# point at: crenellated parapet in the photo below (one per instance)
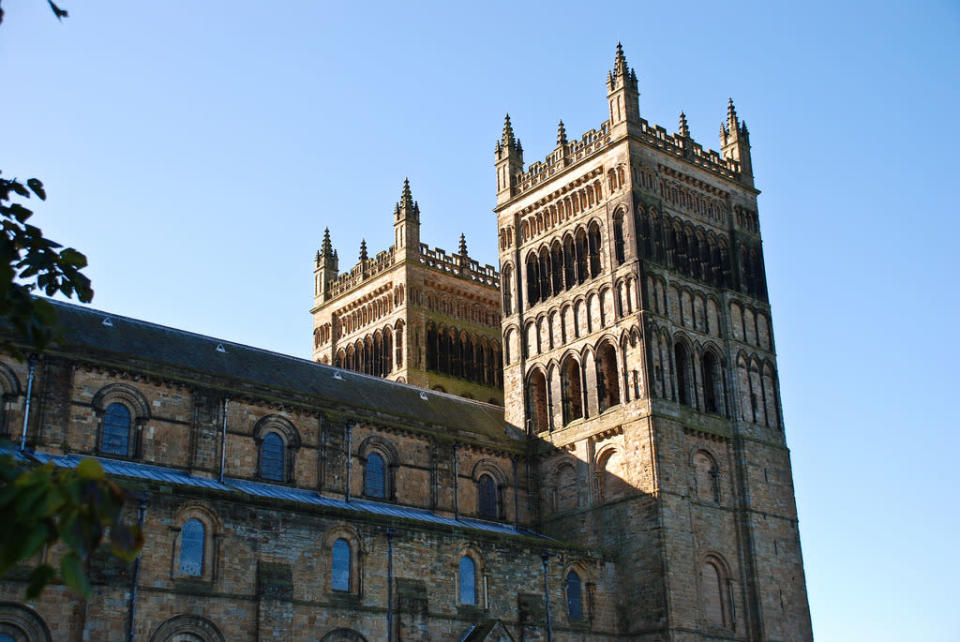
(459, 265)
(363, 271)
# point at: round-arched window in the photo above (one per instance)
(115, 439)
(271, 457)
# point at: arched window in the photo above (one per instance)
(272, 457)
(712, 389)
(468, 581)
(594, 250)
(608, 383)
(374, 480)
(571, 392)
(574, 596)
(569, 263)
(581, 256)
(192, 537)
(340, 568)
(487, 497)
(533, 279)
(682, 361)
(556, 267)
(507, 284)
(536, 403)
(708, 477)
(618, 237)
(715, 608)
(115, 437)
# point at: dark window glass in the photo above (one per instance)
(191, 547)
(271, 457)
(574, 600)
(374, 480)
(488, 497)
(5, 637)
(116, 430)
(340, 573)
(468, 581)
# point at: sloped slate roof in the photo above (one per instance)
(150, 472)
(138, 344)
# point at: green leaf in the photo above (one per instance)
(38, 580)
(71, 570)
(90, 469)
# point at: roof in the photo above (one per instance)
(241, 488)
(139, 345)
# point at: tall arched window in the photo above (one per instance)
(556, 267)
(340, 567)
(536, 403)
(487, 497)
(533, 279)
(594, 250)
(374, 480)
(507, 285)
(682, 361)
(581, 256)
(715, 609)
(115, 437)
(618, 238)
(272, 457)
(608, 383)
(574, 596)
(468, 581)
(712, 389)
(571, 392)
(191, 547)
(708, 477)
(569, 263)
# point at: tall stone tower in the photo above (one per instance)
(639, 357)
(411, 313)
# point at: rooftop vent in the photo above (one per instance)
(220, 348)
(107, 321)
(337, 375)
(423, 396)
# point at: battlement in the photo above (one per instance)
(364, 270)
(597, 140)
(459, 265)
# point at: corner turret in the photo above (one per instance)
(508, 156)
(735, 141)
(406, 225)
(326, 268)
(622, 95)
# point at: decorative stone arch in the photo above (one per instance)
(195, 625)
(716, 596)
(571, 386)
(288, 434)
(586, 575)
(565, 485)
(609, 462)
(607, 360)
(391, 459)
(488, 467)
(682, 355)
(480, 571)
(134, 401)
(213, 534)
(9, 394)
(343, 635)
(345, 531)
(706, 474)
(713, 379)
(22, 623)
(535, 394)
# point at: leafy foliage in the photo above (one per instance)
(44, 505)
(29, 263)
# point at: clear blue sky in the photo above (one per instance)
(196, 150)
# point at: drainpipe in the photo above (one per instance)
(390, 534)
(349, 430)
(223, 440)
(456, 483)
(136, 575)
(516, 495)
(546, 594)
(31, 373)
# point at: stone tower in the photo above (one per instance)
(639, 358)
(411, 313)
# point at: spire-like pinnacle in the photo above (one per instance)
(731, 116)
(318, 257)
(743, 128)
(326, 250)
(620, 62)
(363, 249)
(561, 135)
(507, 138)
(463, 245)
(406, 199)
(519, 146)
(684, 130)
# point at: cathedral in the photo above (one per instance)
(585, 443)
